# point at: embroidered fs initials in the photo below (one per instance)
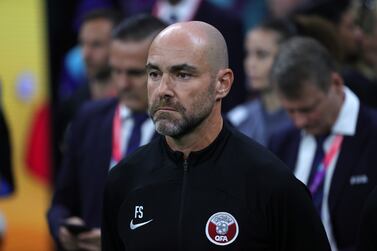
(139, 212)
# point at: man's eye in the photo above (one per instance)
(309, 109)
(116, 71)
(97, 44)
(153, 75)
(183, 75)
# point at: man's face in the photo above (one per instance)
(314, 110)
(181, 88)
(95, 36)
(127, 60)
(350, 33)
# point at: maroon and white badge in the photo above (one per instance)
(222, 228)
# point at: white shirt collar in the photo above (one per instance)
(124, 112)
(183, 11)
(346, 122)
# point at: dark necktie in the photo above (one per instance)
(318, 158)
(134, 140)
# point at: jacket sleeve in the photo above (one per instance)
(294, 223)
(6, 172)
(65, 199)
(109, 228)
(368, 226)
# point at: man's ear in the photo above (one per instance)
(337, 82)
(224, 81)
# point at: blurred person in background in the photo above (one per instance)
(171, 11)
(368, 22)
(349, 31)
(368, 61)
(94, 42)
(284, 8)
(332, 148)
(95, 39)
(262, 116)
(102, 133)
(103, 85)
(321, 30)
(344, 14)
(7, 185)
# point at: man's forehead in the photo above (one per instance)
(176, 48)
(178, 45)
(178, 39)
(171, 55)
(304, 98)
(298, 101)
(175, 55)
(172, 34)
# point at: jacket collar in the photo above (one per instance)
(199, 156)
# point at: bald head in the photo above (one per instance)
(197, 36)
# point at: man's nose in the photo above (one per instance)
(125, 81)
(300, 120)
(165, 87)
(85, 52)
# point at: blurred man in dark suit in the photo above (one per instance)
(332, 148)
(101, 135)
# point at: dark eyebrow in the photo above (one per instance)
(150, 66)
(184, 67)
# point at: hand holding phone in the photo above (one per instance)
(76, 229)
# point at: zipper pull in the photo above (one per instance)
(185, 165)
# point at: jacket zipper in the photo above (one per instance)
(183, 194)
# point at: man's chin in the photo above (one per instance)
(315, 131)
(166, 128)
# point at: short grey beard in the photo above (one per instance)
(179, 128)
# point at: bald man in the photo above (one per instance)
(203, 186)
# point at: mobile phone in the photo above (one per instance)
(76, 229)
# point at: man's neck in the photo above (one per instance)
(337, 109)
(199, 138)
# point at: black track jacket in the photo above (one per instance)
(233, 195)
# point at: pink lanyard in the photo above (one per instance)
(325, 163)
(116, 152)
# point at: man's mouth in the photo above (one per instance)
(164, 108)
